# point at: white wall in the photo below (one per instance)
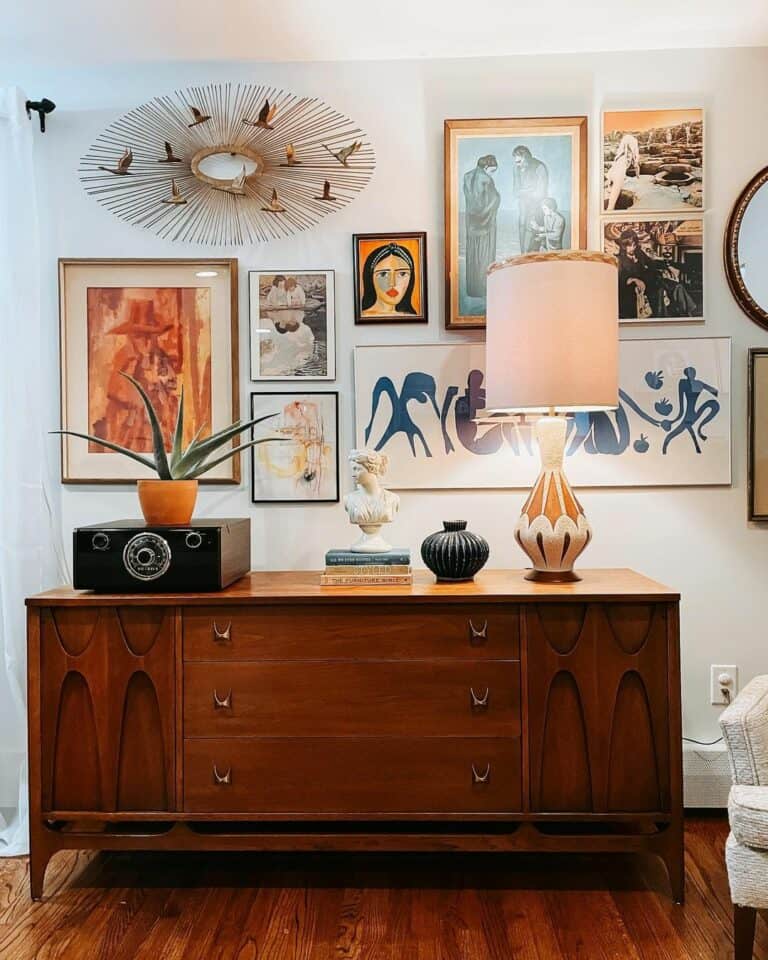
(697, 540)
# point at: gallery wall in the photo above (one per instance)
(695, 539)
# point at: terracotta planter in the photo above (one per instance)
(167, 502)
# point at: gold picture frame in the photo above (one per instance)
(168, 323)
(507, 169)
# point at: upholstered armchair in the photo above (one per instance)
(745, 729)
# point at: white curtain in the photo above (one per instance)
(31, 555)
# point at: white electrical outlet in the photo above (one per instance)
(723, 683)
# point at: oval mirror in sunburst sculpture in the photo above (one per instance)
(228, 164)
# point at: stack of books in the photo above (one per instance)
(345, 568)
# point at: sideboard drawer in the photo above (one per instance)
(395, 776)
(376, 631)
(432, 698)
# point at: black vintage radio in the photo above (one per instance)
(130, 557)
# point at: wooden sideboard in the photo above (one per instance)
(499, 715)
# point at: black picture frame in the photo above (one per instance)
(257, 395)
(752, 425)
(421, 237)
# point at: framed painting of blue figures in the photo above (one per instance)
(511, 187)
(420, 405)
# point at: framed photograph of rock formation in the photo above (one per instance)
(661, 268)
(169, 324)
(390, 275)
(511, 187)
(305, 467)
(653, 160)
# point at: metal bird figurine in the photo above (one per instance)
(169, 155)
(290, 157)
(274, 205)
(123, 163)
(176, 196)
(345, 153)
(266, 115)
(237, 185)
(326, 192)
(199, 117)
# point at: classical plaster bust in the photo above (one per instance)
(370, 505)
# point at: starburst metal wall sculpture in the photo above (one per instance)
(300, 160)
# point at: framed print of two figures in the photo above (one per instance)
(511, 187)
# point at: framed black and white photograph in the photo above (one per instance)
(661, 268)
(305, 467)
(292, 325)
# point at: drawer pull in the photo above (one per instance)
(222, 703)
(481, 777)
(222, 634)
(219, 778)
(478, 636)
(479, 703)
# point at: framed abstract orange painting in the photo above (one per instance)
(390, 277)
(169, 324)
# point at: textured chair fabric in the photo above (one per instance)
(745, 729)
(748, 814)
(747, 874)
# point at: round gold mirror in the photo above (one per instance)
(746, 249)
(226, 167)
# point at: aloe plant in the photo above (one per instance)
(183, 463)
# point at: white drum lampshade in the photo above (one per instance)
(552, 347)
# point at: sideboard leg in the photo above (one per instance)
(39, 856)
(672, 852)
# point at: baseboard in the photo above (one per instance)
(706, 777)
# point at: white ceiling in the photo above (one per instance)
(94, 32)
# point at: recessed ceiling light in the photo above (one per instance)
(207, 273)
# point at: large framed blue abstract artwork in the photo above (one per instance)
(419, 404)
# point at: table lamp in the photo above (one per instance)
(552, 347)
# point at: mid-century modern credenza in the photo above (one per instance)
(499, 715)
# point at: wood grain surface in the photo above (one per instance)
(234, 906)
(304, 587)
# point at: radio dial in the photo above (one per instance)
(147, 556)
(100, 541)
(194, 539)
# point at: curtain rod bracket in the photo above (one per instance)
(41, 107)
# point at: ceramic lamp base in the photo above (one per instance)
(552, 529)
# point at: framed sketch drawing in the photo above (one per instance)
(758, 434)
(653, 160)
(305, 468)
(292, 325)
(661, 268)
(420, 404)
(169, 324)
(511, 187)
(390, 274)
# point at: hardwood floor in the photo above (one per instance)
(383, 907)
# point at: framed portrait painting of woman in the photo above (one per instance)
(511, 187)
(390, 277)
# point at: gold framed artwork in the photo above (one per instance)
(170, 324)
(511, 187)
(757, 457)
(653, 161)
(390, 274)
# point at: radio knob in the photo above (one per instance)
(100, 541)
(194, 539)
(147, 556)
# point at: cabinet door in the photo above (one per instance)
(107, 708)
(598, 717)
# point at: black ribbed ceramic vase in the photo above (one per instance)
(453, 553)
